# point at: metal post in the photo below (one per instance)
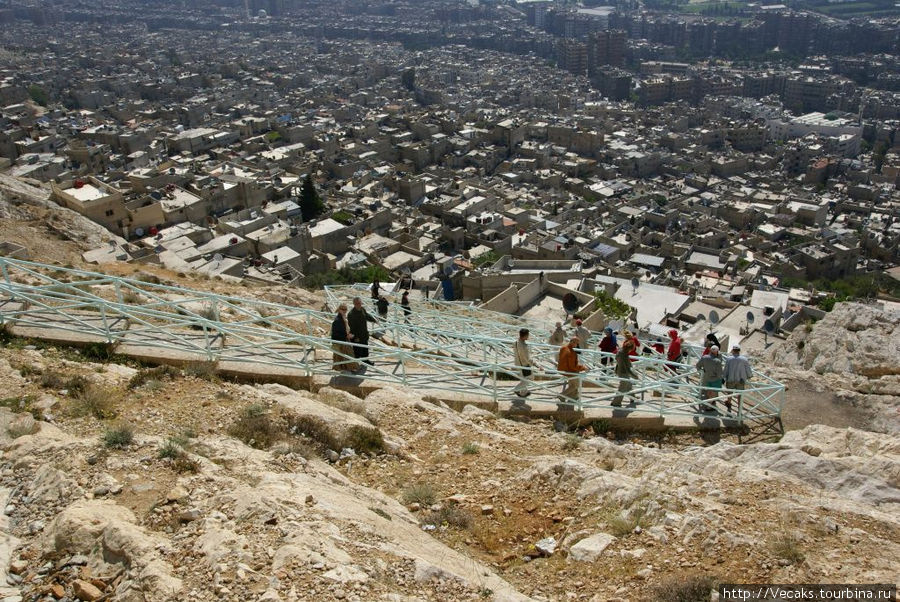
(105, 323)
(118, 285)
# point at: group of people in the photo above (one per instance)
(350, 330)
(735, 372)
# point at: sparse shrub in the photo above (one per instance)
(785, 544)
(450, 515)
(154, 385)
(118, 437)
(254, 427)
(380, 512)
(623, 523)
(97, 401)
(419, 493)
(157, 373)
(296, 447)
(223, 394)
(690, 587)
(97, 352)
(149, 278)
(470, 448)
(317, 431)
(171, 449)
(27, 370)
(364, 440)
(202, 370)
(801, 344)
(571, 442)
(600, 427)
(131, 298)
(186, 464)
(76, 385)
(51, 379)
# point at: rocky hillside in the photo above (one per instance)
(853, 354)
(128, 483)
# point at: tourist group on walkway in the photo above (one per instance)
(350, 344)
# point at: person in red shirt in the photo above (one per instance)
(608, 344)
(674, 352)
(629, 336)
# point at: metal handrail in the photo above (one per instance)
(444, 354)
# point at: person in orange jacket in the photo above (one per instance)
(568, 365)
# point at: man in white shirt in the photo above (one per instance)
(737, 373)
(523, 361)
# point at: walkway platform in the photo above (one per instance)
(449, 352)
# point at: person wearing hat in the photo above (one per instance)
(582, 334)
(608, 344)
(569, 366)
(737, 373)
(711, 373)
(625, 372)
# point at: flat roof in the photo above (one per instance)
(86, 193)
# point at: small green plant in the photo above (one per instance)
(202, 370)
(689, 587)
(51, 379)
(97, 352)
(571, 442)
(154, 386)
(97, 401)
(76, 385)
(118, 437)
(785, 544)
(450, 515)
(364, 440)
(601, 426)
(317, 431)
(623, 523)
(419, 493)
(254, 427)
(170, 450)
(186, 464)
(470, 448)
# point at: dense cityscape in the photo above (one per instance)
(448, 300)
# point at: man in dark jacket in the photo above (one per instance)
(357, 319)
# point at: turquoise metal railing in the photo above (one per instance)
(435, 349)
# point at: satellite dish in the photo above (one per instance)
(769, 326)
(218, 258)
(138, 232)
(158, 249)
(701, 318)
(112, 244)
(750, 317)
(714, 317)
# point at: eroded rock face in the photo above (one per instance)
(855, 338)
(107, 535)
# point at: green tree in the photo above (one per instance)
(311, 204)
(38, 94)
(408, 79)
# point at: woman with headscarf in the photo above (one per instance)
(340, 345)
(711, 340)
(608, 344)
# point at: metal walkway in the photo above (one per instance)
(441, 347)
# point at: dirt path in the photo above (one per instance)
(805, 405)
